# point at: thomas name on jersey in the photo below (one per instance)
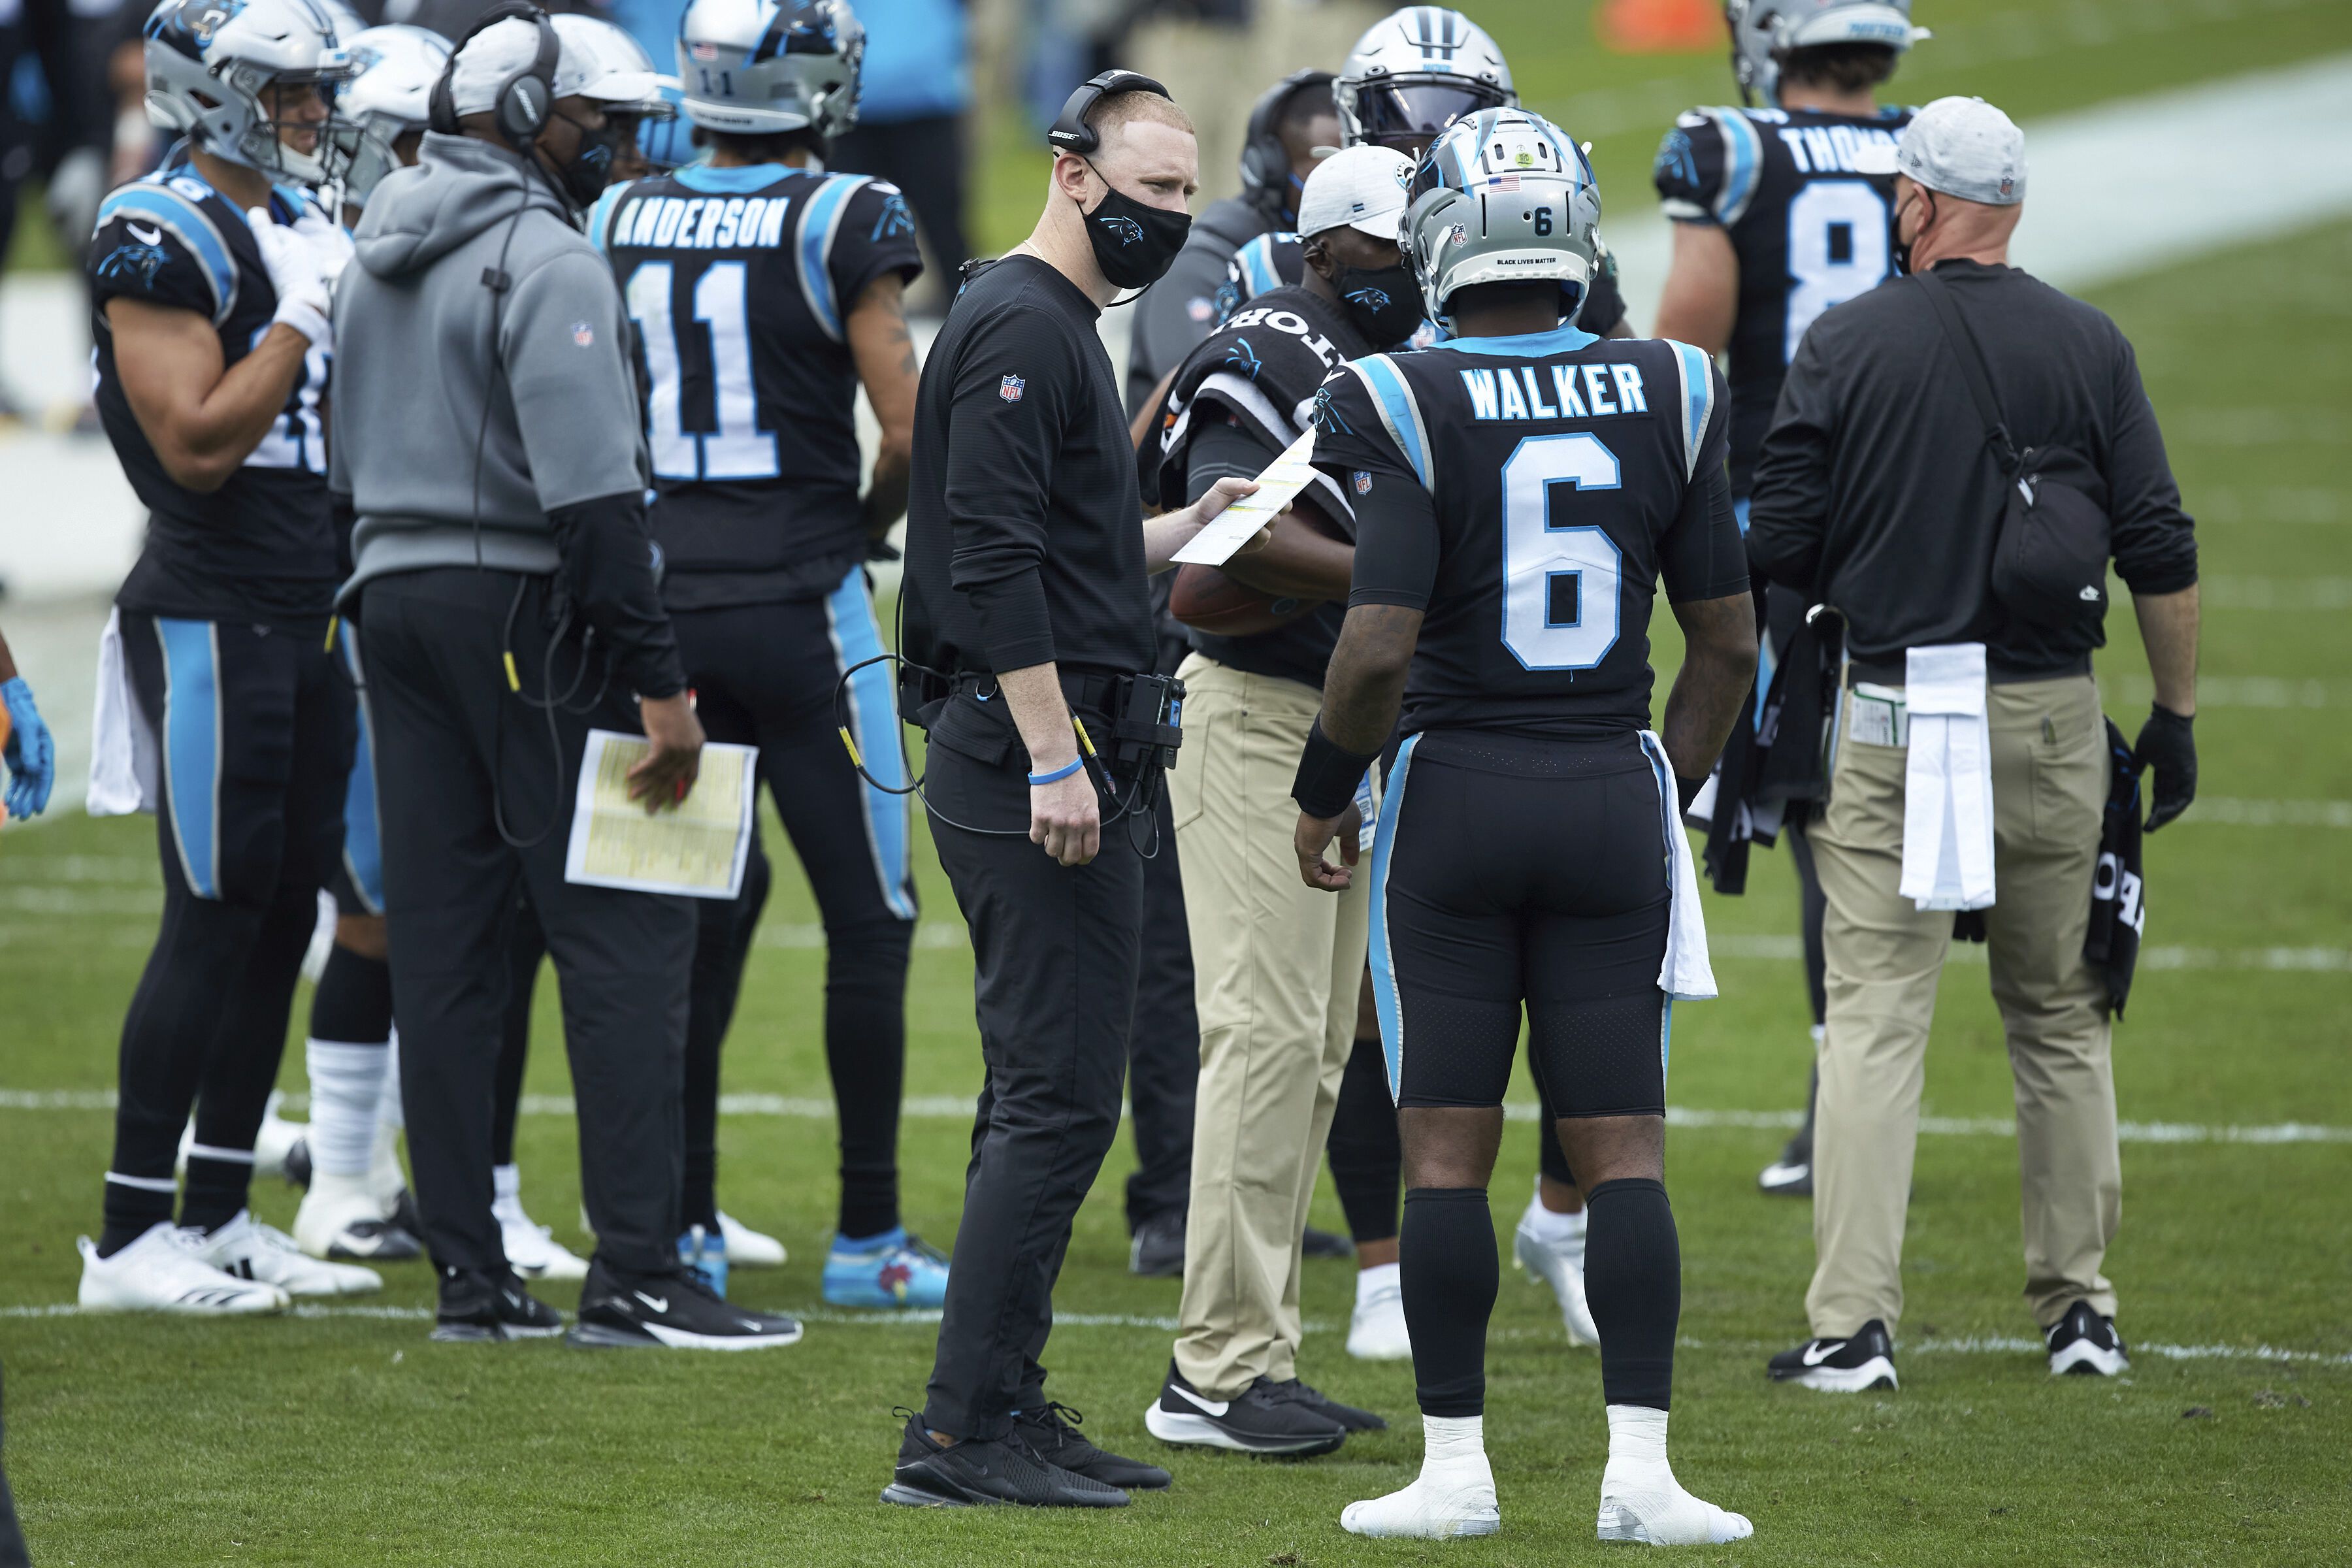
(1508, 395)
(1839, 148)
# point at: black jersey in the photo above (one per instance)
(1531, 493)
(741, 282)
(1277, 261)
(260, 549)
(1811, 229)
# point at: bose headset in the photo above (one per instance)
(524, 100)
(1266, 167)
(1070, 131)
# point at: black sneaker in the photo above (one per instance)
(1325, 1244)
(1850, 1366)
(1158, 1250)
(1347, 1415)
(979, 1470)
(2084, 1343)
(1263, 1418)
(477, 1307)
(674, 1309)
(1052, 1434)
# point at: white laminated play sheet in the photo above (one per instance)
(699, 848)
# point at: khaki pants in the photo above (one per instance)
(2049, 786)
(1275, 970)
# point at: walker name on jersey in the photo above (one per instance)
(1519, 394)
(1839, 148)
(702, 223)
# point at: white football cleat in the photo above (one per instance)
(161, 1272)
(342, 1217)
(531, 1249)
(1376, 1331)
(248, 1250)
(746, 1248)
(1553, 1251)
(1448, 1498)
(1640, 1498)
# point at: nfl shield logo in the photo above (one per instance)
(1363, 479)
(1011, 388)
(583, 335)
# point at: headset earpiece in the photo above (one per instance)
(1070, 131)
(1266, 167)
(524, 100)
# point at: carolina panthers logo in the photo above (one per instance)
(1674, 160)
(1326, 416)
(893, 221)
(1125, 230)
(1241, 357)
(1228, 299)
(140, 261)
(1369, 298)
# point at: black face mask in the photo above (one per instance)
(583, 179)
(1900, 251)
(1134, 245)
(1384, 302)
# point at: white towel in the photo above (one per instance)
(123, 746)
(1947, 780)
(1685, 975)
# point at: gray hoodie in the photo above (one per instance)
(415, 325)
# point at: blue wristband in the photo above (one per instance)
(1058, 774)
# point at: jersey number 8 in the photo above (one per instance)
(1560, 583)
(1837, 250)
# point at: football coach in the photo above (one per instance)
(1028, 613)
(1955, 457)
(488, 441)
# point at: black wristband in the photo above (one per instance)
(1327, 775)
(1688, 789)
(2159, 712)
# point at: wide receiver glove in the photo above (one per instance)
(31, 755)
(2167, 745)
(330, 245)
(292, 262)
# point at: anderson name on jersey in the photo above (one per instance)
(1529, 493)
(1807, 198)
(261, 548)
(741, 282)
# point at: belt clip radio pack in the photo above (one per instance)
(1147, 724)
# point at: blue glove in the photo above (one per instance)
(31, 755)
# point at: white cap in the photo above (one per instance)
(1363, 187)
(504, 48)
(1965, 147)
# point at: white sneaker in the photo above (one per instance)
(746, 1248)
(342, 1217)
(1448, 1498)
(161, 1272)
(531, 1249)
(251, 1250)
(1640, 1498)
(1558, 1261)
(1377, 1331)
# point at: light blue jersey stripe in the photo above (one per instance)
(1257, 262)
(739, 180)
(1745, 153)
(1385, 1001)
(186, 222)
(1398, 410)
(599, 218)
(874, 724)
(192, 747)
(820, 216)
(362, 829)
(1698, 401)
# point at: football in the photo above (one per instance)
(1210, 600)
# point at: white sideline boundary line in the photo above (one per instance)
(950, 1108)
(1973, 1344)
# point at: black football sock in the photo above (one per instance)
(1367, 1160)
(1450, 1277)
(1633, 1283)
(241, 1068)
(866, 1054)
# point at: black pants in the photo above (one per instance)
(1164, 1052)
(1055, 950)
(254, 729)
(456, 753)
(925, 158)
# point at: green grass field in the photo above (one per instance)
(348, 1439)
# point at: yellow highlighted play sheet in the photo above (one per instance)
(697, 850)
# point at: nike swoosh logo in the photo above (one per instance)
(659, 1303)
(1820, 1351)
(1211, 1407)
(145, 236)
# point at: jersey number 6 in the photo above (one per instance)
(1559, 582)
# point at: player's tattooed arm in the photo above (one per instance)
(884, 351)
(1718, 669)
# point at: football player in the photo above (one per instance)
(765, 293)
(210, 278)
(1781, 210)
(1521, 494)
(637, 121)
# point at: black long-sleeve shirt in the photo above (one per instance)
(1025, 530)
(1876, 493)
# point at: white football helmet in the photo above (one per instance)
(388, 98)
(209, 62)
(1763, 31)
(754, 68)
(1502, 197)
(1417, 72)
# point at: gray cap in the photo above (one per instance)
(1965, 147)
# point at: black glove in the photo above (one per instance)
(2169, 748)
